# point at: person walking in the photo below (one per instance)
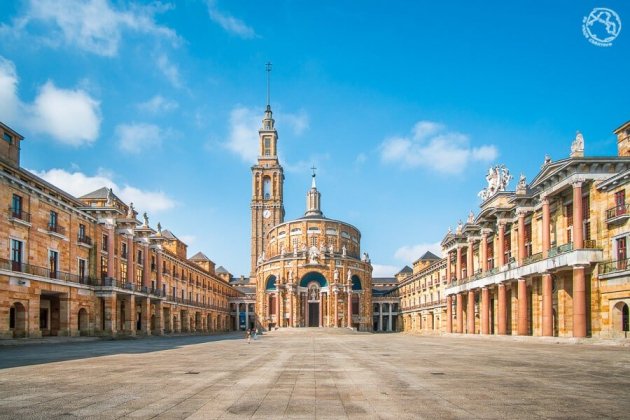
(249, 336)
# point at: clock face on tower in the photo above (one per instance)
(266, 214)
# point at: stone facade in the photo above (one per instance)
(547, 259)
(308, 272)
(87, 266)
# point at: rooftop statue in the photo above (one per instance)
(498, 178)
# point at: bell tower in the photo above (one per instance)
(267, 184)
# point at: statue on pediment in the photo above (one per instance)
(498, 178)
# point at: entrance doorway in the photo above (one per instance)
(313, 314)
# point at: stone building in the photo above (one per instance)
(309, 272)
(550, 258)
(87, 266)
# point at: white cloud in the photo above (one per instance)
(138, 137)
(9, 102)
(158, 104)
(298, 123)
(169, 70)
(433, 146)
(410, 253)
(361, 159)
(93, 25)
(243, 131)
(380, 270)
(78, 184)
(230, 24)
(70, 116)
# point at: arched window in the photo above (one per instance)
(266, 188)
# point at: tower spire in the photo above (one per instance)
(313, 198)
(313, 184)
(268, 70)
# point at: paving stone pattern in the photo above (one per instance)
(314, 373)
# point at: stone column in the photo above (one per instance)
(578, 218)
(502, 318)
(111, 307)
(380, 317)
(449, 314)
(146, 267)
(349, 306)
(458, 264)
(579, 301)
(483, 252)
(159, 319)
(238, 317)
(500, 256)
(146, 316)
(521, 236)
(522, 307)
(278, 305)
(130, 265)
(65, 315)
(389, 320)
(336, 308)
(470, 313)
(470, 265)
(485, 310)
(321, 309)
(546, 234)
(130, 322)
(547, 305)
(111, 245)
(246, 316)
(460, 313)
(448, 267)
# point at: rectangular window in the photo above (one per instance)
(622, 254)
(267, 146)
(103, 267)
(16, 206)
(507, 243)
(82, 269)
(7, 137)
(139, 259)
(528, 239)
(81, 230)
(17, 248)
(124, 250)
(123, 272)
(153, 265)
(53, 263)
(620, 199)
(139, 275)
(52, 220)
(104, 244)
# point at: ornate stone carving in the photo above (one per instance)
(313, 255)
(577, 147)
(110, 197)
(521, 187)
(343, 251)
(159, 228)
(498, 178)
(130, 214)
(146, 219)
(471, 217)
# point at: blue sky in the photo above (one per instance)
(402, 106)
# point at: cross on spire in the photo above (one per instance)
(268, 70)
(313, 185)
(313, 169)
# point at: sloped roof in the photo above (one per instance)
(221, 270)
(406, 269)
(199, 256)
(168, 235)
(101, 193)
(428, 256)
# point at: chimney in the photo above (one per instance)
(623, 139)
(10, 145)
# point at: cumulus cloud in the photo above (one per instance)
(410, 253)
(70, 116)
(158, 104)
(95, 26)
(432, 145)
(138, 137)
(243, 130)
(169, 70)
(380, 270)
(228, 23)
(77, 183)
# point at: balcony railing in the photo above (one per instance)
(84, 239)
(45, 272)
(19, 214)
(532, 258)
(618, 211)
(56, 228)
(615, 266)
(561, 249)
(590, 244)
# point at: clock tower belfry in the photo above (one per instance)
(267, 185)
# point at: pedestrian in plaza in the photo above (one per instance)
(249, 336)
(255, 334)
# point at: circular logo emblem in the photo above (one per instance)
(601, 26)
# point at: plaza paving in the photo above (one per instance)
(314, 373)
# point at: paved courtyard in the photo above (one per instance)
(313, 373)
